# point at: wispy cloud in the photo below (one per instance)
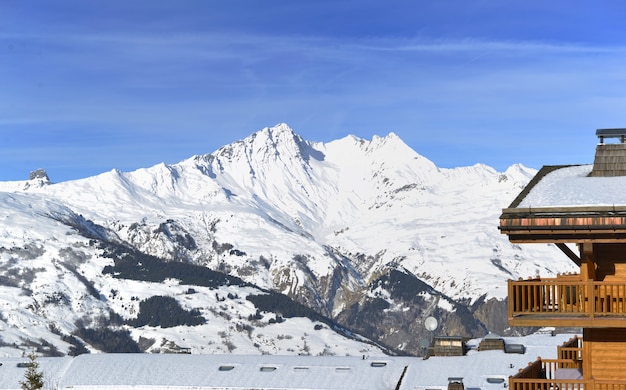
(183, 85)
(465, 45)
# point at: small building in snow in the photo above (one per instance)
(449, 346)
(490, 342)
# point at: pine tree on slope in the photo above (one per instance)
(33, 378)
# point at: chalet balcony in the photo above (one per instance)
(550, 374)
(567, 301)
(557, 374)
(563, 373)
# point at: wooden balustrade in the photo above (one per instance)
(551, 366)
(566, 296)
(565, 384)
(574, 342)
(550, 384)
(542, 375)
(534, 370)
(573, 354)
(572, 350)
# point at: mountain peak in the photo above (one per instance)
(39, 174)
(36, 179)
(392, 141)
(277, 144)
(389, 137)
(280, 128)
(279, 134)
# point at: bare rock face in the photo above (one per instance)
(37, 179)
(38, 174)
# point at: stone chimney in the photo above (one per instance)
(610, 158)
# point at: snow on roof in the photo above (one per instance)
(571, 187)
(174, 371)
(11, 374)
(232, 372)
(478, 366)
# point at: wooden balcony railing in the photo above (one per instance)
(565, 384)
(571, 350)
(550, 374)
(566, 297)
(542, 375)
(573, 354)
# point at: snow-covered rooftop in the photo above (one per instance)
(571, 186)
(172, 371)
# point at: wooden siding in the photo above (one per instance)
(610, 261)
(607, 351)
(487, 344)
(610, 160)
(449, 346)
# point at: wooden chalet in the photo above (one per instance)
(582, 210)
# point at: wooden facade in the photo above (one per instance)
(491, 343)
(593, 299)
(449, 346)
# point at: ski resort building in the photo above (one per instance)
(582, 210)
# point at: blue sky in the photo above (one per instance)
(89, 86)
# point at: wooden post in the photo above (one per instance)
(588, 261)
(591, 304)
(586, 353)
(512, 298)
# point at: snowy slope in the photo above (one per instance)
(325, 224)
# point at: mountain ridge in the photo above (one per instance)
(368, 233)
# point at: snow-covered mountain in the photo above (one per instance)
(367, 239)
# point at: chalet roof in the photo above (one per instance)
(564, 204)
(571, 186)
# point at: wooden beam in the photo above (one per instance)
(567, 321)
(588, 264)
(569, 253)
(555, 238)
(562, 210)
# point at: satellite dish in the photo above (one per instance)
(430, 323)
